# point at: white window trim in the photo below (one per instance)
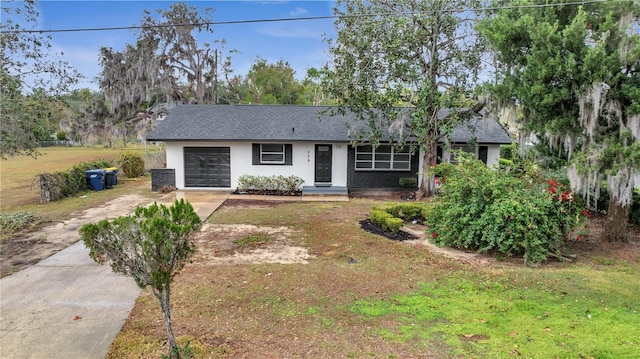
(392, 162)
(262, 153)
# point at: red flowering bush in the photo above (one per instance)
(488, 210)
(568, 209)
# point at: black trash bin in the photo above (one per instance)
(114, 178)
(108, 179)
(95, 179)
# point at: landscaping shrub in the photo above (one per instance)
(408, 182)
(130, 164)
(61, 184)
(385, 220)
(280, 184)
(407, 211)
(489, 210)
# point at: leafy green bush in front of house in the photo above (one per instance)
(408, 182)
(279, 184)
(407, 211)
(489, 210)
(385, 220)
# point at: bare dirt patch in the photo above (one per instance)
(223, 244)
(23, 251)
(593, 247)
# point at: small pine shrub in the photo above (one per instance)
(131, 164)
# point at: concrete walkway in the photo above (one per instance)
(68, 306)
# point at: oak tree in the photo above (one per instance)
(30, 73)
(397, 64)
(574, 71)
(169, 62)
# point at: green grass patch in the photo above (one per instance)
(579, 312)
(252, 240)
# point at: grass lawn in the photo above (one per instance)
(364, 296)
(19, 189)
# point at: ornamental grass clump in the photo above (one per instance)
(487, 210)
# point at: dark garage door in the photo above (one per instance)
(207, 167)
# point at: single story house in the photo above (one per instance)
(211, 146)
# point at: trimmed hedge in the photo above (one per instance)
(58, 185)
(273, 183)
(385, 220)
(408, 211)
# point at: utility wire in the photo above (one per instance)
(310, 18)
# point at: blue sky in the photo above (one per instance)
(298, 42)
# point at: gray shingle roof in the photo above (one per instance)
(280, 123)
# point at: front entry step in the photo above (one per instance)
(324, 191)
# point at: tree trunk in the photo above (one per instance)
(615, 225)
(164, 299)
(427, 187)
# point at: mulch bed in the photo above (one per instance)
(269, 193)
(366, 225)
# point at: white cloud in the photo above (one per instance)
(298, 11)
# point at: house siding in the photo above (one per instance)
(241, 154)
(377, 179)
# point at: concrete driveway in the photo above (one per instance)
(68, 306)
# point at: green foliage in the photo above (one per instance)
(270, 84)
(280, 183)
(151, 246)
(383, 65)
(62, 184)
(634, 210)
(574, 71)
(524, 167)
(11, 223)
(130, 164)
(28, 64)
(182, 352)
(253, 239)
(508, 152)
(170, 62)
(407, 211)
(408, 182)
(385, 220)
(489, 210)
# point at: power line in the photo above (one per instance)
(310, 18)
